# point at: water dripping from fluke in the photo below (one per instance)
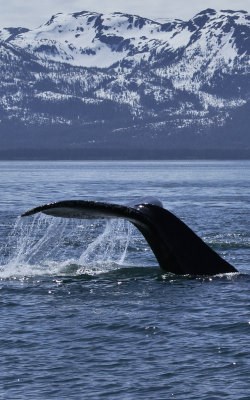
(42, 245)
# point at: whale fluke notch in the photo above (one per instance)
(176, 247)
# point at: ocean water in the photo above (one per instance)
(85, 311)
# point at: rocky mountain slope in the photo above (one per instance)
(94, 81)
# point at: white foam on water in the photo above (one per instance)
(43, 245)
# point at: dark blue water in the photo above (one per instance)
(86, 313)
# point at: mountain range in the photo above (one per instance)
(122, 85)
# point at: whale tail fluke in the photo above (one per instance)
(176, 247)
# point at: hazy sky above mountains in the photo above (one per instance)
(32, 13)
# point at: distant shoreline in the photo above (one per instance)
(122, 154)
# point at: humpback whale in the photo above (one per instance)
(176, 247)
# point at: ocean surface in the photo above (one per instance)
(85, 311)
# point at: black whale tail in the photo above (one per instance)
(176, 247)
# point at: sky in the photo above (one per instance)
(32, 13)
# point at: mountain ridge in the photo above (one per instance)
(119, 77)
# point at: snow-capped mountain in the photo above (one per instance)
(98, 40)
(128, 76)
(92, 39)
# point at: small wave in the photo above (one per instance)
(230, 241)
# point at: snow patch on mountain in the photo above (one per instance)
(7, 34)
